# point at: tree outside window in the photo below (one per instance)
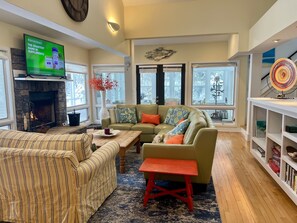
(213, 88)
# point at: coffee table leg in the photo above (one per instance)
(122, 163)
(138, 146)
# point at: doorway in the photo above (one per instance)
(161, 84)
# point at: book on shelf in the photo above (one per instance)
(261, 151)
(276, 151)
(291, 177)
(295, 186)
(275, 168)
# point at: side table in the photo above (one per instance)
(186, 168)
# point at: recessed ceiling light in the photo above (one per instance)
(276, 40)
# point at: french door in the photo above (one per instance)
(161, 84)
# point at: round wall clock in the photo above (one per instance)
(76, 9)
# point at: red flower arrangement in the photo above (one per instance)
(103, 84)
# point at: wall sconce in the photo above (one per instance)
(113, 26)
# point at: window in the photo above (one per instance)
(213, 89)
(6, 92)
(113, 96)
(76, 90)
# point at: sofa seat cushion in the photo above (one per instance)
(146, 128)
(79, 143)
(121, 126)
(163, 127)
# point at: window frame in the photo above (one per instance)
(97, 106)
(219, 107)
(84, 106)
(160, 86)
(9, 90)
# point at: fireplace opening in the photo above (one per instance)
(42, 111)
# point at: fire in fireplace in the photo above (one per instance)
(42, 111)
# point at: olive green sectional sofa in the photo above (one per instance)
(198, 143)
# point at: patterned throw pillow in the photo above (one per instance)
(181, 128)
(158, 139)
(175, 114)
(127, 115)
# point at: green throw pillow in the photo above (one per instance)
(181, 128)
(174, 115)
(126, 115)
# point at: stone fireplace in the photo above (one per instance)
(40, 105)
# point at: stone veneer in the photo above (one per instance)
(22, 89)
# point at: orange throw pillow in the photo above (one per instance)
(181, 120)
(177, 139)
(153, 119)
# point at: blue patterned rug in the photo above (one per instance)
(125, 205)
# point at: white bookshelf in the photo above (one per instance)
(277, 114)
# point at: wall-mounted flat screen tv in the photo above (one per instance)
(44, 58)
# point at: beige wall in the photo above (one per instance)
(94, 26)
(195, 18)
(98, 56)
(242, 91)
(12, 37)
(199, 52)
(280, 16)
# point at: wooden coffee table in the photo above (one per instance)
(126, 139)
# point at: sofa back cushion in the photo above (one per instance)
(147, 109)
(79, 143)
(197, 122)
(162, 111)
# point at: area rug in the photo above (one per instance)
(125, 204)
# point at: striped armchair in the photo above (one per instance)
(53, 178)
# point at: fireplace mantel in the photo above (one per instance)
(39, 79)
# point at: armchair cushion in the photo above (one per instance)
(79, 143)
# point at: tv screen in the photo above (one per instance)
(44, 58)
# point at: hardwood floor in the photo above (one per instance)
(245, 192)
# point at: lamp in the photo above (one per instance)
(114, 26)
